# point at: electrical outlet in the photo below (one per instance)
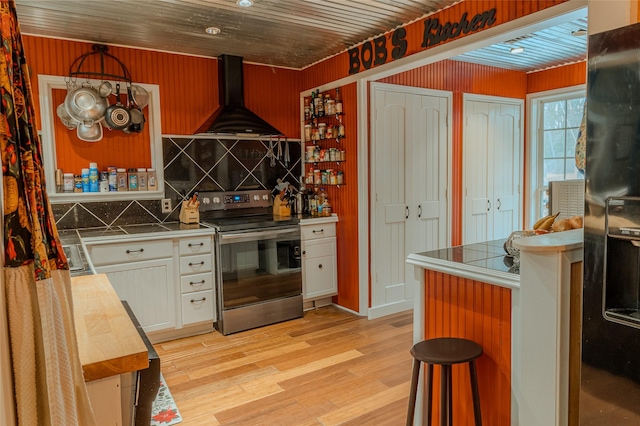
(166, 205)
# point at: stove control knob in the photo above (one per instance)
(206, 200)
(265, 197)
(216, 200)
(256, 198)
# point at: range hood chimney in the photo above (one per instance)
(232, 118)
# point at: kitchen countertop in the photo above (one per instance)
(108, 342)
(486, 262)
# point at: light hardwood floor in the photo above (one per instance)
(328, 368)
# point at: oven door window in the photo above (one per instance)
(260, 266)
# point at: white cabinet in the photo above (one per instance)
(168, 282)
(491, 168)
(410, 179)
(141, 273)
(319, 271)
(197, 295)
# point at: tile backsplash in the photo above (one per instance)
(194, 163)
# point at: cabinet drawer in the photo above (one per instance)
(197, 307)
(196, 282)
(310, 232)
(326, 247)
(196, 264)
(195, 245)
(105, 254)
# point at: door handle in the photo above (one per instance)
(406, 216)
(488, 205)
(499, 204)
(420, 211)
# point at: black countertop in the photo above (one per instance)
(489, 255)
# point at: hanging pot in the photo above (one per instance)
(136, 123)
(85, 103)
(116, 116)
(68, 121)
(90, 132)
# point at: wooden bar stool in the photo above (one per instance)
(444, 351)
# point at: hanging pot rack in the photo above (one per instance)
(75, 70)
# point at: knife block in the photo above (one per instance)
(280, 208)
(189, 214)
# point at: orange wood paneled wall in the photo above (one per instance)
(188, 95)
(459, 78)
(458, 307)
(556, 78)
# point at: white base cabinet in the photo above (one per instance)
(319, 270)
(147, 287)
(167, 282)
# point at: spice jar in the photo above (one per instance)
(307, 132)
(68, 182)
(142, 179)
(152, 180)
(133, 179)
(77, 183)
(322, 130)
(121, 179)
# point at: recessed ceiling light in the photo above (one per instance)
(579, 33)
(516, 50)
(212, 30)
(244, 3)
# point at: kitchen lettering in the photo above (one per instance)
(435, 33)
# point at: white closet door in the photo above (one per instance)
(410, 168)
(506, 170)
(390, 204)
(477, 191)
(491, 168)
(427, 167)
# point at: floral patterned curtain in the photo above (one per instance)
(48, 383)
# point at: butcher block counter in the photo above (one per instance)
(108, 341)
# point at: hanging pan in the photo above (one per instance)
(117, 116)
(136, 122)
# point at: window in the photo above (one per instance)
(553, 142)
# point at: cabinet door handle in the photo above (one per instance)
(304, 252)
(488, 205)
(499, 204)
(196, 264)
(198, 300)
(195, 245)
(320, 266)
(135, 251)
(406, 216)
(420, 211)
(198, 283)
(319, 232)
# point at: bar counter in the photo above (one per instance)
(476, 292)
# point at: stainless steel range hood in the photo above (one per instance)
(232, 118)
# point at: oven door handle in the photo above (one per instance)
(258, 235)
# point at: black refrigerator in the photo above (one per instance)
(610, 373)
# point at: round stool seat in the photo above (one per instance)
(446, 351)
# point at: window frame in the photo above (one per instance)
(535, 143)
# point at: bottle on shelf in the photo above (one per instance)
(338, 101)
(313, 112)
(307, 109)
(326, 207)
(93, 177)
(85, 179)
(319, 104)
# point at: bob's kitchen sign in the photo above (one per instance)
(375, 52)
